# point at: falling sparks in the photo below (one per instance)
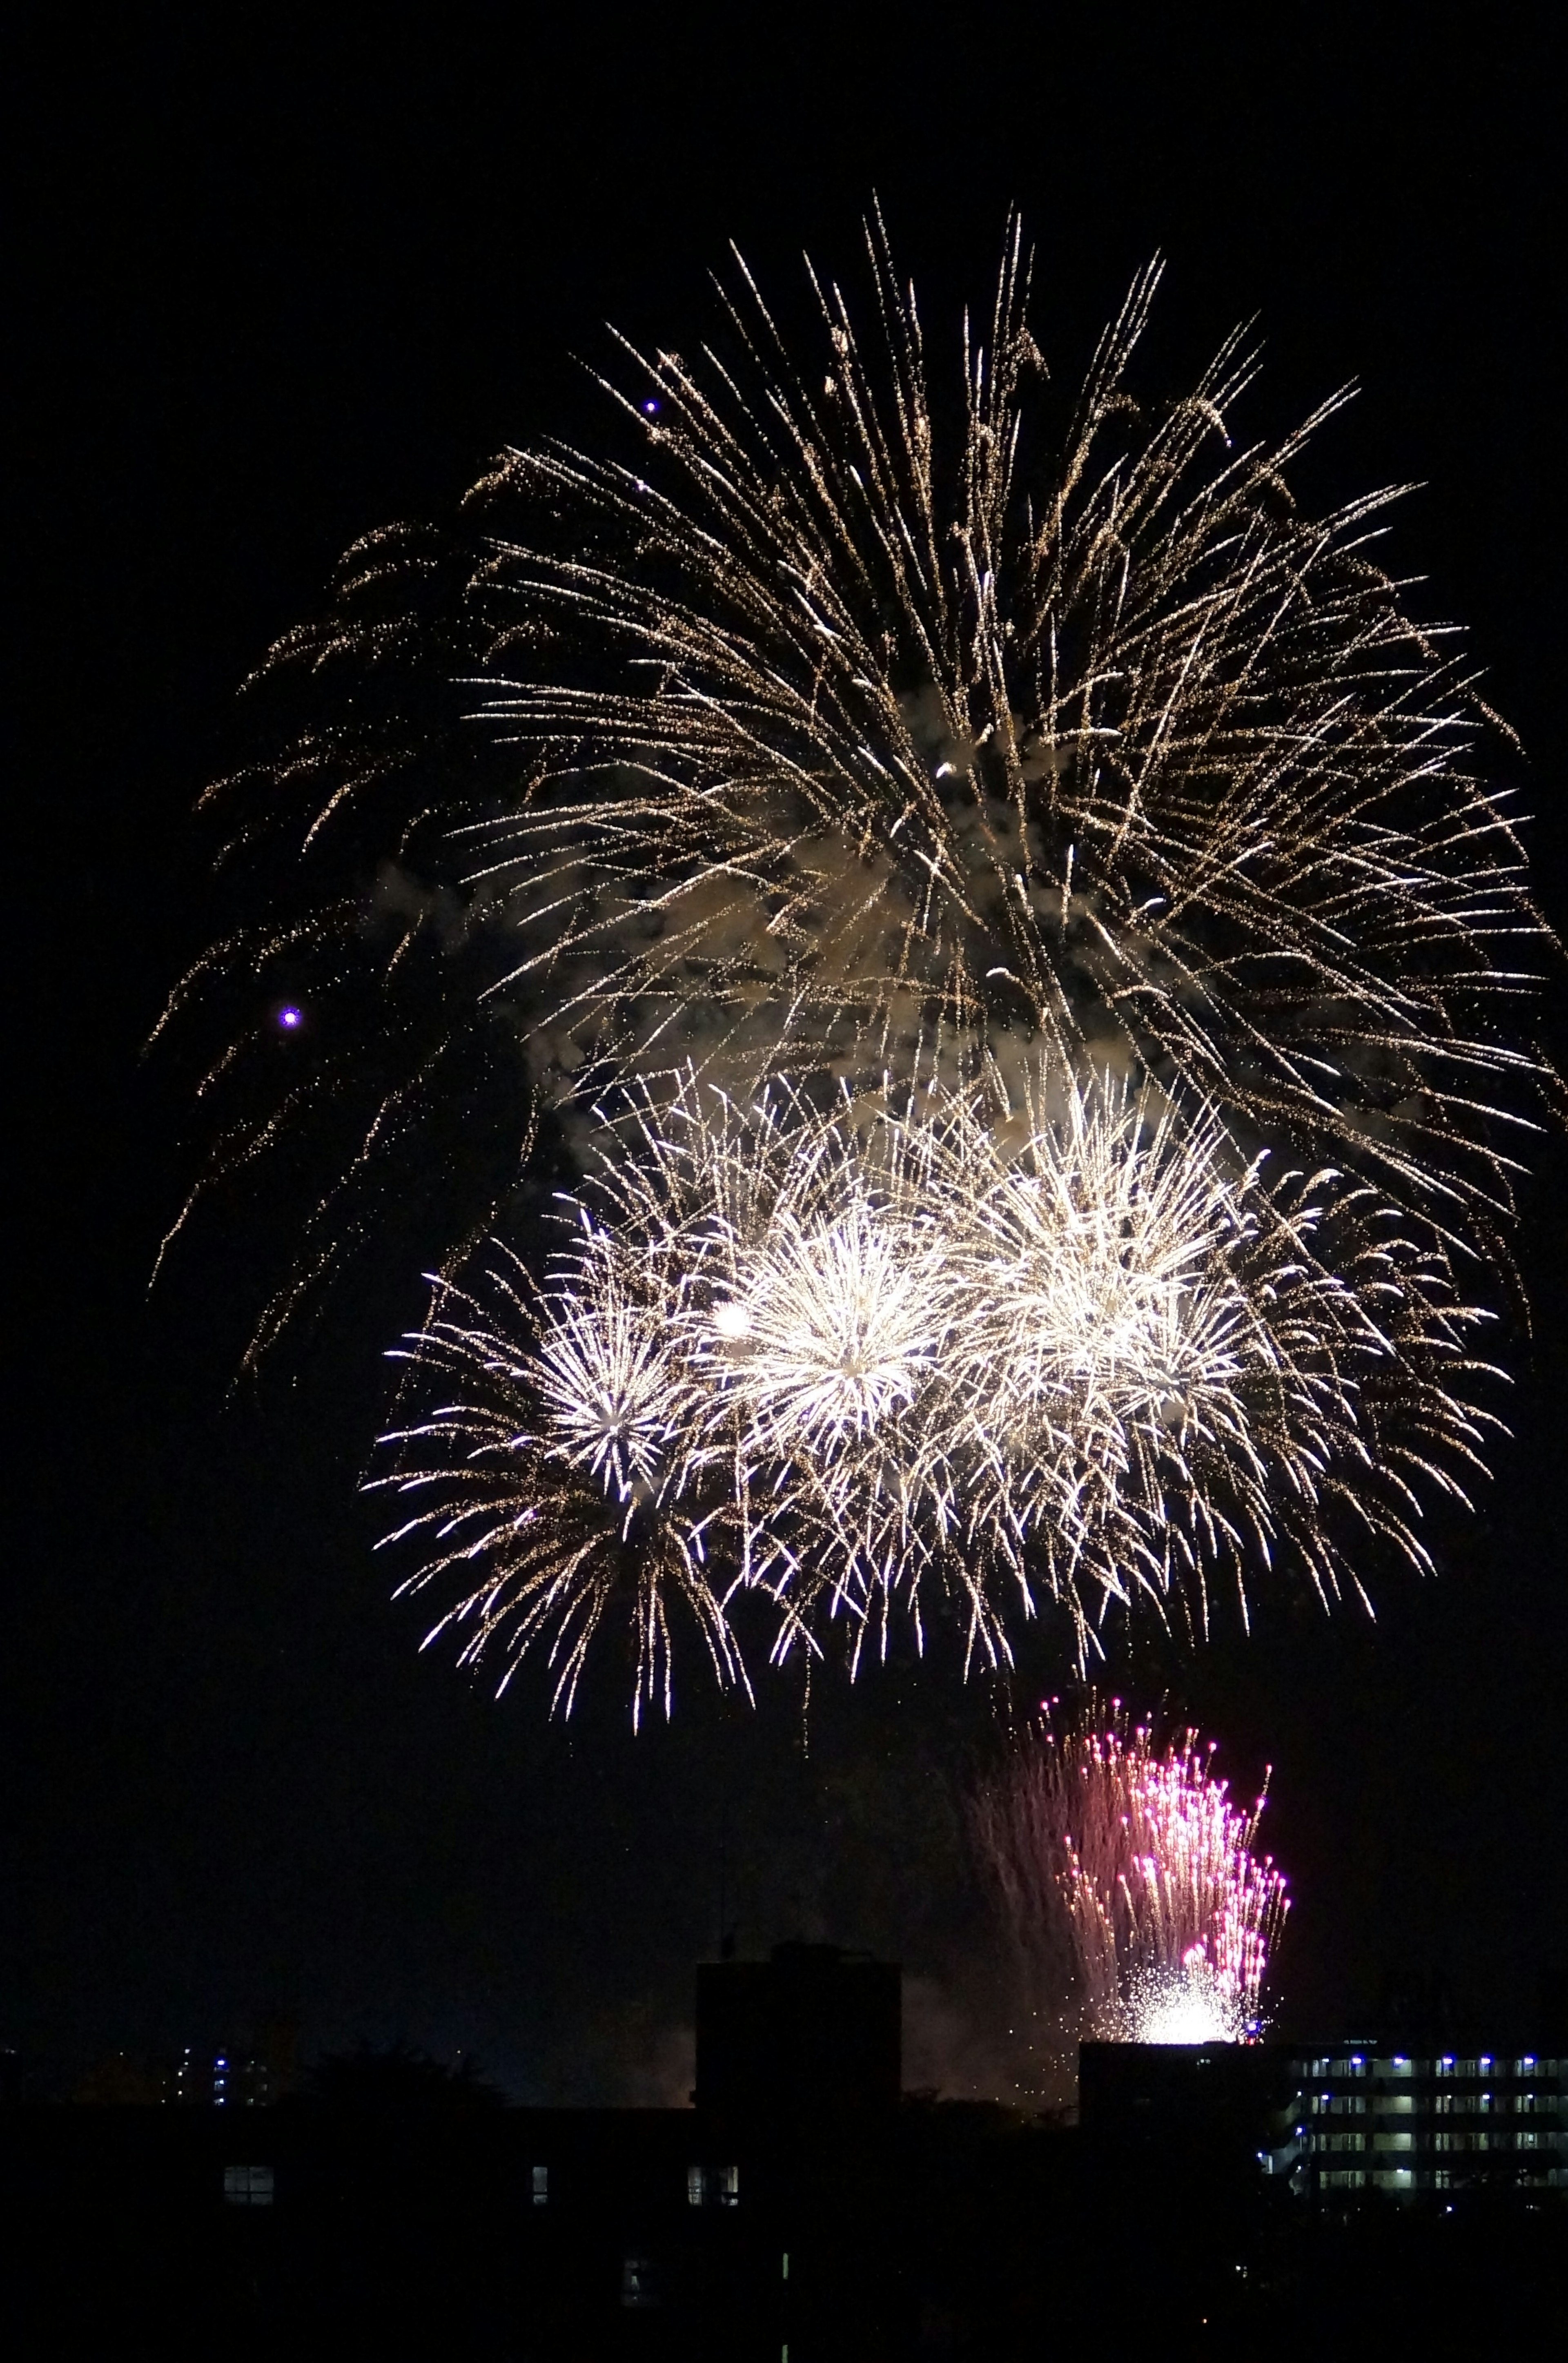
(1137, 1902)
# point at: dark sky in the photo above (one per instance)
(281, 284)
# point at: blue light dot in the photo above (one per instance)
(649, 407)
(290, 1018)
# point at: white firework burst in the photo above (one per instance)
(550, 1493)
(891, 1356)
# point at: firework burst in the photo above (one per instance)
(1073, 820)
(833, 723)
(856, 1361)
(549, 1491)
(1137, 1902)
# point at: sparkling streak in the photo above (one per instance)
(1074, 821)
(826, 725)
(1137, 1902)
(886, 1356)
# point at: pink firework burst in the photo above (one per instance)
(1138, 1906)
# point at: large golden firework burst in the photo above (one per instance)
(1035, 774)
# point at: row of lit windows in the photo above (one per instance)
(1437, 2104)
(706, 2186)
(1355, 2177)
(1400, 2177)
(1441, 2069)
(1485, 2137)
(1490, 2137)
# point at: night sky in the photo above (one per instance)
(283, 283)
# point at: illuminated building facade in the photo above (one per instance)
(226, 2080)
(1373, 2119)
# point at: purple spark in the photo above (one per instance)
(290, 1018)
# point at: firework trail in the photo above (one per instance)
(1138, 1906)
(911, 1351)
(1073, 821)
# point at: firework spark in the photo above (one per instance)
(1074, 821)
(550, 1487)
(833, 725)
(894, 1352)
(1136, 1900)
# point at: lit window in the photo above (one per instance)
(713, 2186)
(248, 2186)
(638, 2281)
(540, 2186)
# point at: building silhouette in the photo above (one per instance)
(1213, 2200)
